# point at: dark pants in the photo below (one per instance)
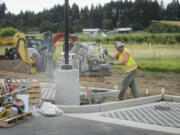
(129, 81)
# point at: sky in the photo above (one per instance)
(15, 6)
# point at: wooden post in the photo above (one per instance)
(154, 58)
(87, 96)
(150, 49)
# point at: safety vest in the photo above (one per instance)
(130, 65)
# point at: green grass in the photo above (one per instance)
(164, 27)
(175, 23)
(2, 50)
(167, 65)
(137, 37)
(59, 49)
(7, 32)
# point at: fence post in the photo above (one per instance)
(154, 58)
(150, 49)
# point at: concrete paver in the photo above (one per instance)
(146, 117)
(162, 113)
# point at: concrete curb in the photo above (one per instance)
(113, 93)
(171, 98)
(82, 88)
(109, 106)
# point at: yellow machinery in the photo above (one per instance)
(18, 42)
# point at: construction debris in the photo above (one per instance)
(14, 107)
(48, 109)
(14, 120)
(34, 92)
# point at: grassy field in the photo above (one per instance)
(137, 37)
(175, 23)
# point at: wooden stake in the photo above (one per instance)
(87, 95)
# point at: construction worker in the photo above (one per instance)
(128, 65)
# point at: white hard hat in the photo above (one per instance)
(119, 44)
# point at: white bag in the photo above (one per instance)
(25, 99)
(49, 109)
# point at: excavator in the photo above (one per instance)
(16, 46)
(22, 46)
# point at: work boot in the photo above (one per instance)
(120, 98)
(121, 95)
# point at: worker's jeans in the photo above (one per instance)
(129, 81)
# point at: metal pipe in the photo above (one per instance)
(66, 32)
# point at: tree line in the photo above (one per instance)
(137, 14)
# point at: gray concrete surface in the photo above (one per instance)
(64, 125)
(67, 87)
(159, 116)
(162, 113)
(171, 98)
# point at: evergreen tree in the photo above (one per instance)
(2, 10)
(120, 13)
(84, 17)
(172, 11)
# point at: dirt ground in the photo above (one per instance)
(144, 81)
(154, 82)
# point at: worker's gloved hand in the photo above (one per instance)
(111, 63)
(105, 51)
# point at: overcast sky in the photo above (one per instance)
(15, 6)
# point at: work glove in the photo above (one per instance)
(105, 52)
(111, 63)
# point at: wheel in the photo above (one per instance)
(94, 64)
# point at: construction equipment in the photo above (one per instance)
(33, 42)
(86, 56)
(91, 59)
(62, 35)
(28, 48)
(16, 47)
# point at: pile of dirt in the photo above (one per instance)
(13, 66)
